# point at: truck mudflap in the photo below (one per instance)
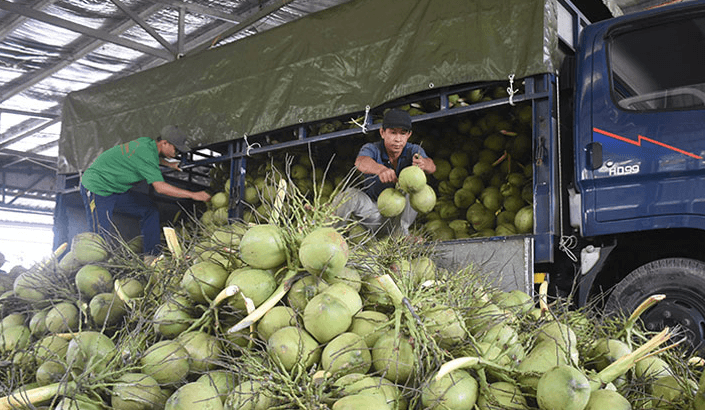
(508, 261)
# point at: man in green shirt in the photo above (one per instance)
(105, 185)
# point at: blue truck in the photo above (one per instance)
(618, 129)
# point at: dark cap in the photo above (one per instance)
(174, 135)
(396, 118)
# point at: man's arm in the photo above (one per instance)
(426, 164)
(367, 165)
(167, 189)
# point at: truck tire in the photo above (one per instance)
(682, 281)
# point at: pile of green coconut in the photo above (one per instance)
(302, 310)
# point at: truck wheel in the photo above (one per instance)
(682, 281)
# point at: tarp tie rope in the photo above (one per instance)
(364, 121)
(566, 243)
(511, 90)
(249, 146)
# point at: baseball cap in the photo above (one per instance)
(396, 118)
(174, 135)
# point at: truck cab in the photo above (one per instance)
(637, 200)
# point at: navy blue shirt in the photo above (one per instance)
(376, 151)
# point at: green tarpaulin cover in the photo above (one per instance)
(327, 64)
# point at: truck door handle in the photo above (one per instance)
(594, 155)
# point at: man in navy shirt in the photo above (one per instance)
(381, 162)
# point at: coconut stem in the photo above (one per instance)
(257, 314)
(231, 290)
(173, 242)
(36, 395)
(624, 363)
(468, 362)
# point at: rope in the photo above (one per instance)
(511, 90)
(249, 146)
(364, 121)
(566, 243)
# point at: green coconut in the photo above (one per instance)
(292, 345)
(393, 357)
(263, 247)
(90, 350)
(563, 387)
(671, 389)
(62, 317)
(203, 349)
(326, 316)
(361, 401)
(256, 284)
(542, 357)
(50, 372)
(51, 347)
(275, 319)
(222, 380)
(347, 275)
(607, 399)
(29, 285)
(70, 403)
(445, 326)
(370, 325)
(219, 200)
(249, 395)
(347, 295)
(412, 179)
(135, 391)
(303, 290)
(651, 367)
(13, 338)
(173, 317)
(194, 396)
(424, 200)
(463, 198)
(443, 168)
(324, 250)
(106, 309)
(203, 281)
(346, 353)
(524, 219)
(89, 247)
(92, 280)
(166, 361)
(456, 390)
(391, 202)
(502, 395)
(606, 351)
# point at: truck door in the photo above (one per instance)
(648, 124)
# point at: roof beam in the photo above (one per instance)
(69, 25)
(146, 27)
(28, 133)
(26, 82)
(206, 11)
(48, 116)
(17, 20)
(248, 21)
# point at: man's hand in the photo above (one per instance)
(171, 164)
(426, 164)
(201, 196)
(387, 175)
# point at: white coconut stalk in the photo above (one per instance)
(172, 241)
(229, 291)
(624, 363)
(37, 395)
(268, 304)
(278, 201)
